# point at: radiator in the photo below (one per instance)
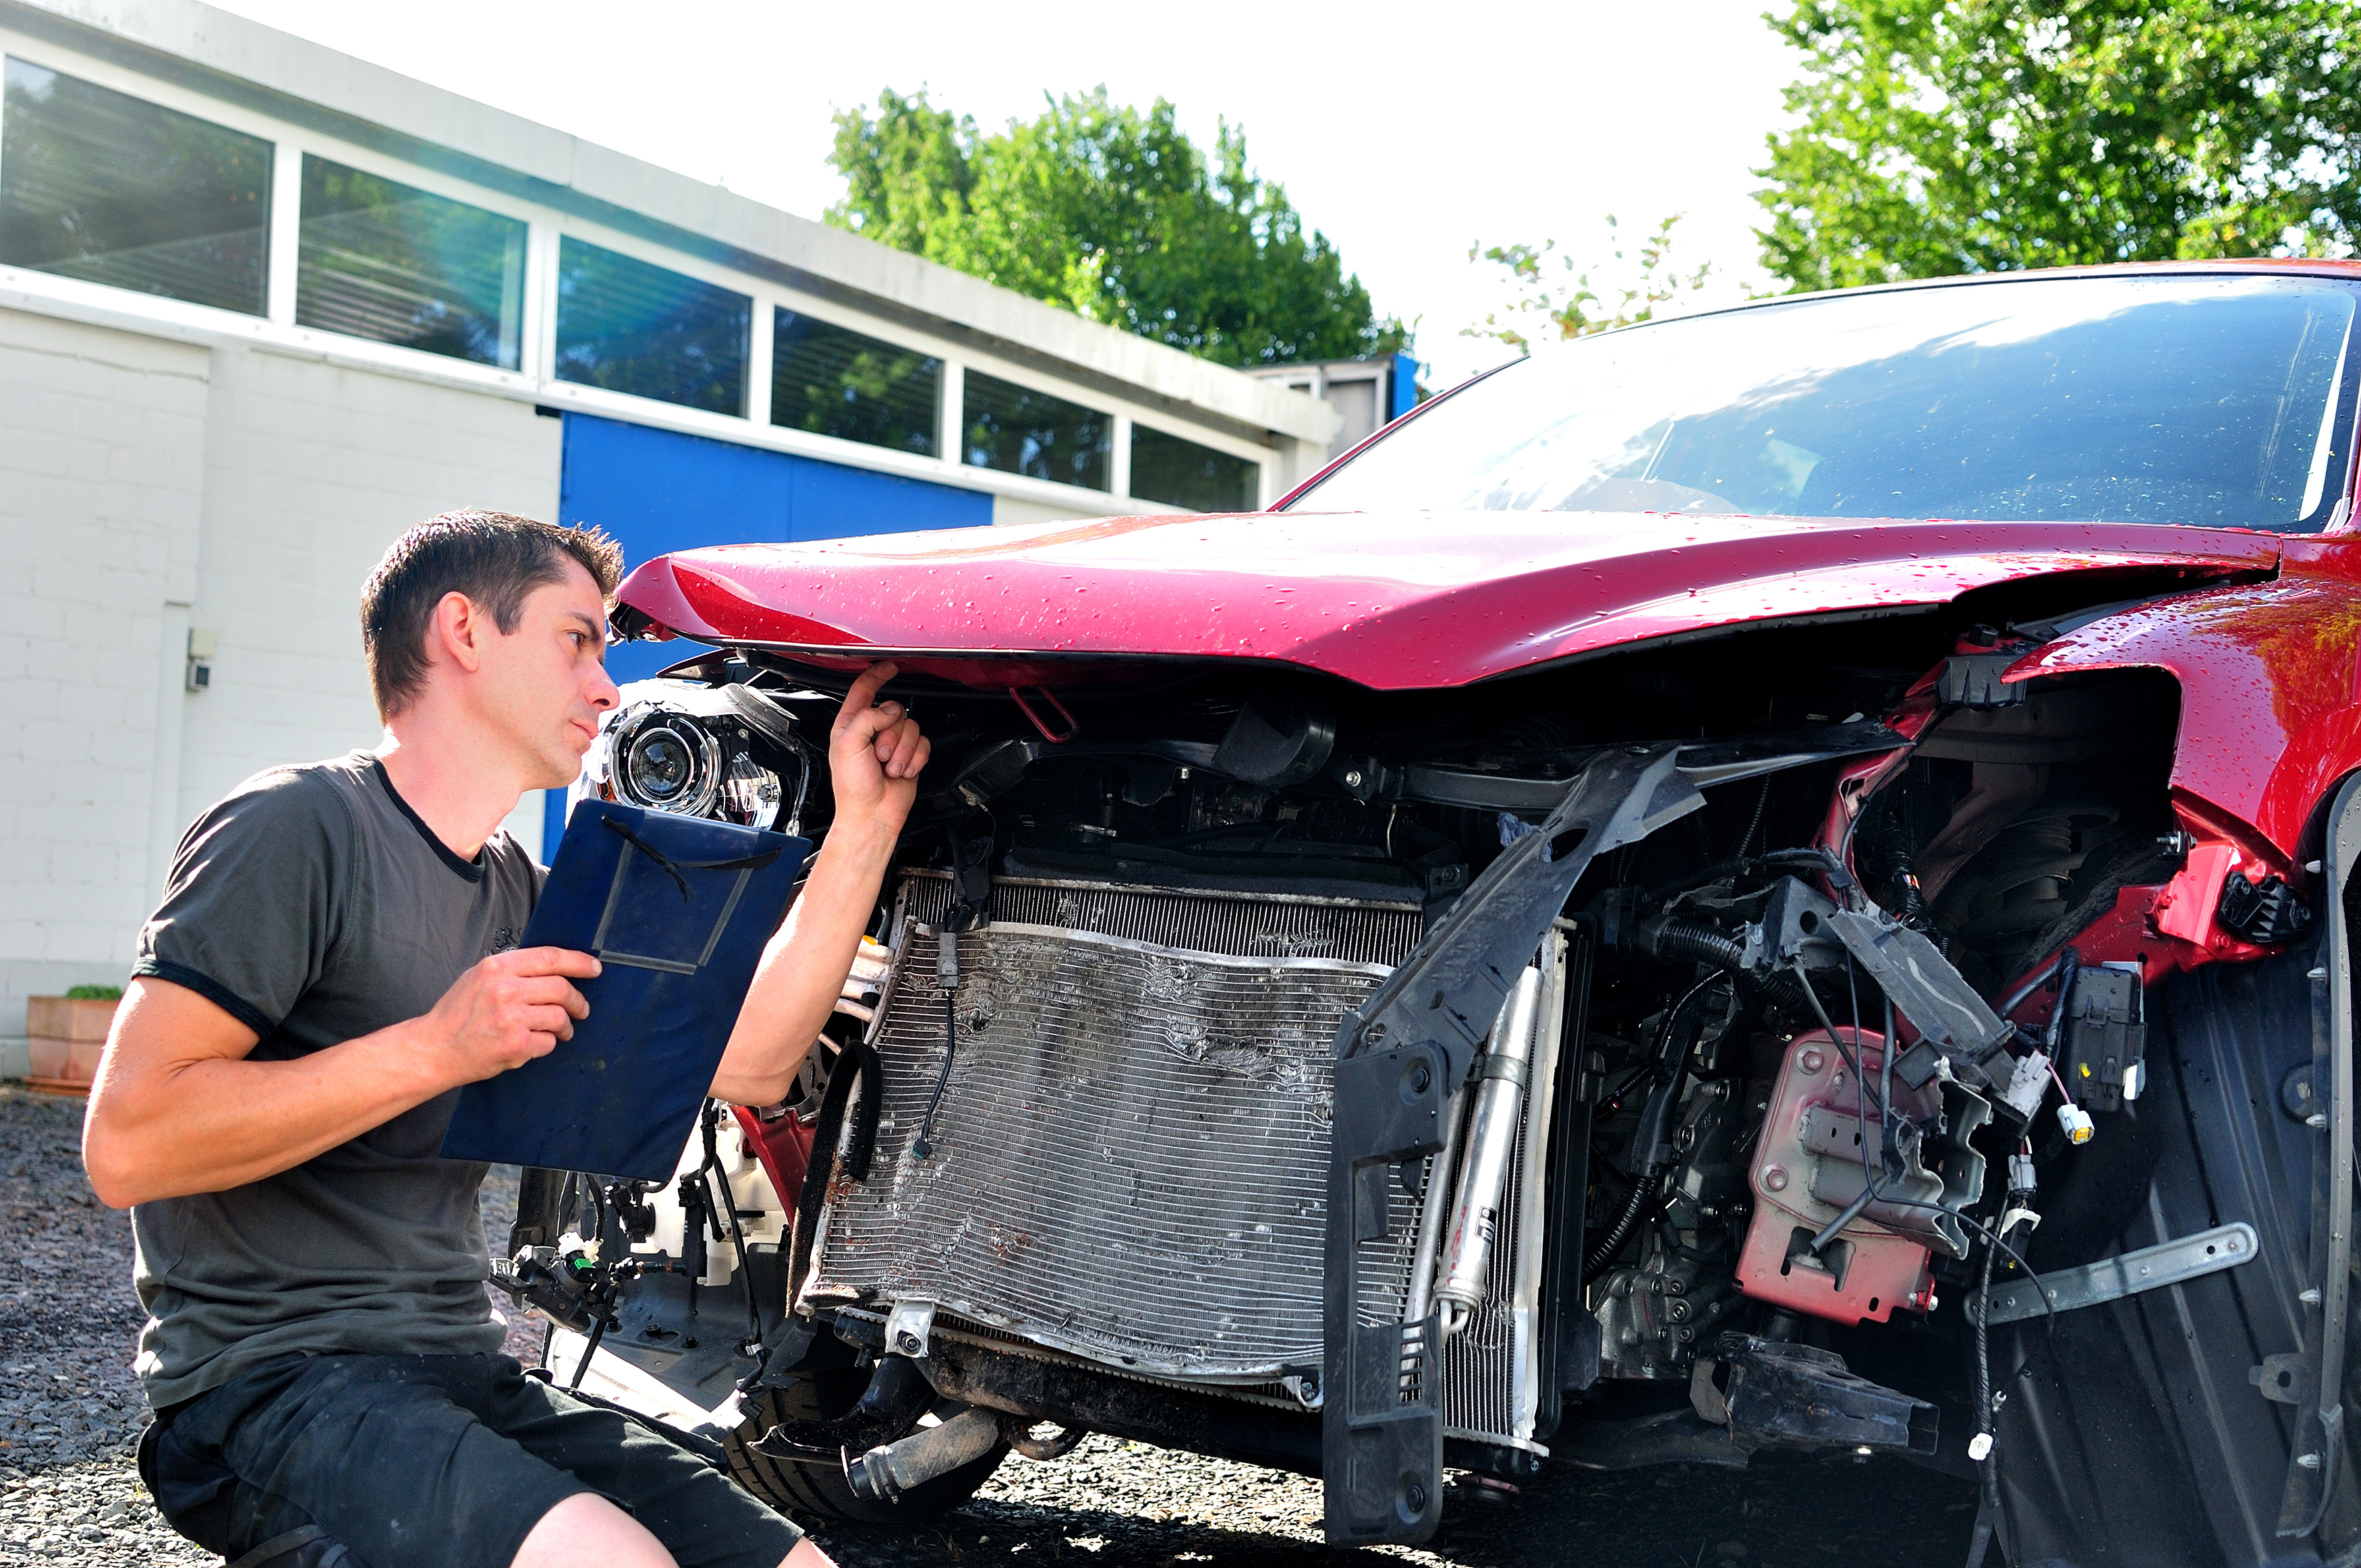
(1129, 1158)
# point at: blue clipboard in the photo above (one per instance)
(677, 910)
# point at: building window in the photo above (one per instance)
(102, 186)
(833, 382)
(393, 264)
(1020, 431)
(630, 327)
(1166, 468)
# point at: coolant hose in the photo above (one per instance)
(883, 1475)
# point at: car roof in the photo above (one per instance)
(2282, 266)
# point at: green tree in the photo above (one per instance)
(1937, 136)
(1547, 305)
(1114, 215)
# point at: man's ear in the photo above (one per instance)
(456, 633)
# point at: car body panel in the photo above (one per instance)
(1391, 601)
(2270, 681)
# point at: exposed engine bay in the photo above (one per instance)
(1648, 1059)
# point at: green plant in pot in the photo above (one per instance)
(66, 1034)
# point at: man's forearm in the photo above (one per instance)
(802, 971)
(208, 1121)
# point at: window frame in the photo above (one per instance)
(754, 307)
(213, 111)
(1043, 387)
(943, 362)
(1259, 464)
(524, 282)
(534, 380)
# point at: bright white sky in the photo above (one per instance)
(1404, 140)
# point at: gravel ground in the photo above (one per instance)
(71, 1416)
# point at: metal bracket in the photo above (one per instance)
(2113, 1278)
(1399, 1059)
(910, 1327)
(2285, 1379)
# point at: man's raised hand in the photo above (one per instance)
(875, 754)
(508, 1009)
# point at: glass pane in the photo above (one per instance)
(630, 327)
(99, 185)
(833, 382)
(393, 264)
(1023, 431)
(1166, 468)
(2201, 399)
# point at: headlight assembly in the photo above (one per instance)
(722, 752)
(667, 761)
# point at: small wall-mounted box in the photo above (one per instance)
(200, 658)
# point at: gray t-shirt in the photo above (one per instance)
(313, 905)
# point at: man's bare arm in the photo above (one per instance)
(874, 757)
(178, 1108)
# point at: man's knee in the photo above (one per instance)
(587, 1527)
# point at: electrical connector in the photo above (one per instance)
(2077, 1123)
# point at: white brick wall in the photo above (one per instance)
(311, 471)
(147, 486)
(101, 468)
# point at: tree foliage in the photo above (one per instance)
(1114, 215)
(1547, 305)
(1939, 136)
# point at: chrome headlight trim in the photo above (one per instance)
(664, 760)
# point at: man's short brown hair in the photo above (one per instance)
(493, 557)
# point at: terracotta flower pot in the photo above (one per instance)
(66, 1034)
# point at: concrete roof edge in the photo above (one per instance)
(298, 69)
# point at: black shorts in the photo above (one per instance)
(435, 1461)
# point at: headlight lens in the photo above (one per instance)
(667, 761)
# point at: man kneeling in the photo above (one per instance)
(335, 957)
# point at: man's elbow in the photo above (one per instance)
(112, 1168)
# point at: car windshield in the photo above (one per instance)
(2218, 400)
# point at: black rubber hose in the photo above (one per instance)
(1596, 1263)
(884, 1472)
(1689, 940)
(1656, 1120)
(1705, 945)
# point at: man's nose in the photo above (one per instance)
(604, 693)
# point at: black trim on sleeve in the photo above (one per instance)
(472, 870)
(212, 990)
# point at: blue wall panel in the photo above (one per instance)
(654, 491)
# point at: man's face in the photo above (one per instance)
(545, 684)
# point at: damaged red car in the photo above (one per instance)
(1771, 880)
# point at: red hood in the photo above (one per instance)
(1390, 601)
